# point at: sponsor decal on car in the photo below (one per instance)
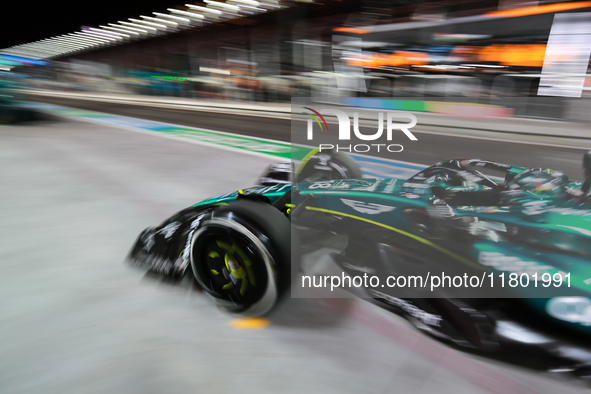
(531, 208)
(419, 314)
(570, 309)
(366, 270)
(169, 230)
(390, 186)
(503, 262)
(410, 195)
(414, 185)
(152, 262)
(187, 250)
(368, 208)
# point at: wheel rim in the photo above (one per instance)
(234, 267)
(229, 268)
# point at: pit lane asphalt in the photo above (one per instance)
(435, 143)
(75, 319)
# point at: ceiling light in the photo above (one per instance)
(205, 9)
(189, 14)
(224, 5)
(108, 33)
(86, 38)
(135, 29)
(119, 29)
(159, 20)
(249, 2)
(139, 27)
(141, 22)
(176, 18)
(92, 37)
(100, 35)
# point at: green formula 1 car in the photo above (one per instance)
(484, 255)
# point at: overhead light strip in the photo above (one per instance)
(189, 14)
(173, 17)
(204, 9)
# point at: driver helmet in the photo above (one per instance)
(538, 183)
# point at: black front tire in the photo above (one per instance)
(241, 256)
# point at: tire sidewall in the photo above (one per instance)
(268, 232)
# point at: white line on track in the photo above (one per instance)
(284, 117)
(371, 172)
(184, 139)
(475, 137)
(173, 137)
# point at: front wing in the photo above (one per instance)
(165, 249)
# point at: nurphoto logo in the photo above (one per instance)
(344, 134)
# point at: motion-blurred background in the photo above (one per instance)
(501, 80)
(501, 55)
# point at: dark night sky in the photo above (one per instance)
(23, 21)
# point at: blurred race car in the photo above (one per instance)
(467, 215)
(12, 110)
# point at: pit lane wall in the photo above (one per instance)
(464, 110)
(371, 167)
(446, 116)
